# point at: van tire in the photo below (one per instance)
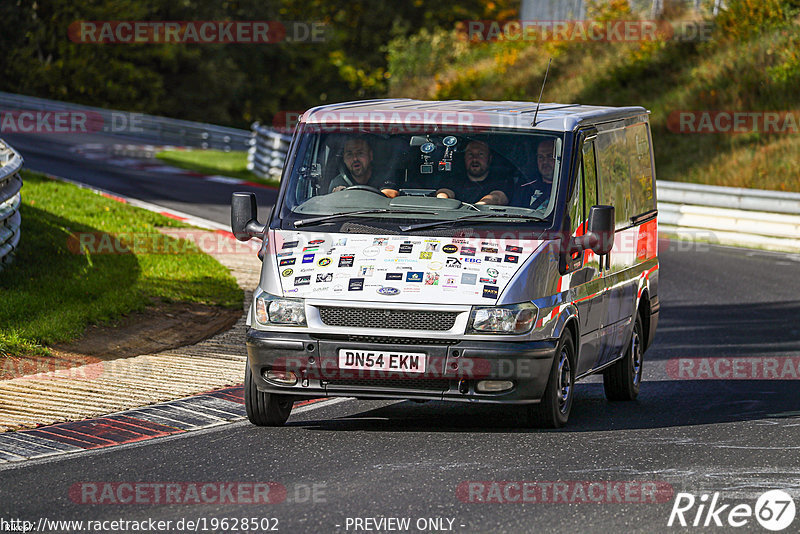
(621, 381)
(265, 409)
(554, 408)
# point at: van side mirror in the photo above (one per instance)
(599, 233)
(601, 225)
(244, 213)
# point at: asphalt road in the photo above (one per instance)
(357, 459)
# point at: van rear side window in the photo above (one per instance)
(624, 167)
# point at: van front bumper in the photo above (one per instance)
(454, 368)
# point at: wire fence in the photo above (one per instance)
(10, 198)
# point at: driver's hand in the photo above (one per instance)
(340, 188)
(391, 193)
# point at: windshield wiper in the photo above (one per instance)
(334, 216)
(471, 218)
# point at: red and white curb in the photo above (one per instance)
(142, 160)
(139, 424)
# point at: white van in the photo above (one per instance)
(485, 252)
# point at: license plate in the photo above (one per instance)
(408, 362)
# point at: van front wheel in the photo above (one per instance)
(265, 409)
(621, 380)
(554, 408)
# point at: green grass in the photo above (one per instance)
(752, 63)
(51, 294)
(233, 164)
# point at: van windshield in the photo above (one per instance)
(509, 176)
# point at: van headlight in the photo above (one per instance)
(511, 319)
(271, 310)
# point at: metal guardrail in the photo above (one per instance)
(268, 152)
(151, 128)
(10, 219)
(730, 215)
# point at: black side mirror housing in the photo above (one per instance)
(600, 231)
(244, 213)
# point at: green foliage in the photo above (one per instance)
(51, 293)
(212, 162)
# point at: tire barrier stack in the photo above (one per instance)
(10, 219)
(268, 152)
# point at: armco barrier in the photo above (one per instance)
(268, 152)
(150, 128)
(730, 215)
(10, 185)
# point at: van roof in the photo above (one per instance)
(484, 113)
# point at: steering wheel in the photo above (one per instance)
(360, 187)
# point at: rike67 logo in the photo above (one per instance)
(774, 510)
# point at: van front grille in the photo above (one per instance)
(387, 319)
(426, 384)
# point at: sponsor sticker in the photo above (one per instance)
(406, 248)
(515, 250)
(324, 262)
(494, 273)
(432, 279)
(287, 272)
(371, 252)
(469, 279)
(487, 280)
(430, 246)
(355, 284)
(467, 251)
(308, 258)
(472, 260)
(450, 249)
(388, 290)
(490, 292)
(379, 241)
(435, 265)
(287, 261)
(394, 276)
(290, 244)
(316, 242)
(311, 249)
(511, 258)
(327, 277)
(454, 263)
(366, 270)
(414, 276)
(346, 260)
(425, 255)
(489, 250)
(493, 259)
(302, 280)
(340, 242)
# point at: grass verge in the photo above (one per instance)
(213, 162)
(51, 293)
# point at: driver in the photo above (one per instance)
(358, 161)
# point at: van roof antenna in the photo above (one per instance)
(541, 92)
